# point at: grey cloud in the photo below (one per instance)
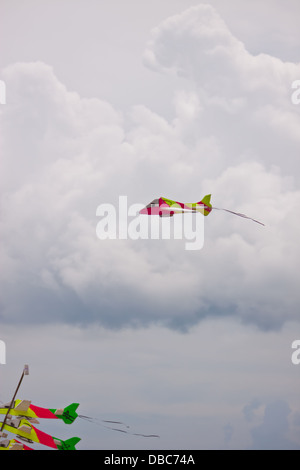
(228, 432)
(73, 154)
(254, 92)
(274, 432)
(249, 409)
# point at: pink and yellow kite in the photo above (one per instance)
(167, 208)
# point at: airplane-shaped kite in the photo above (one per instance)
(24, 408)
(19, 414)
(26, 431)
(167, 208)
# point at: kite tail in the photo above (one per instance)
(119, 423)
(239, 214)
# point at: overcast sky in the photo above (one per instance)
(178, 99)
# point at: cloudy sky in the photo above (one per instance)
(136, 100)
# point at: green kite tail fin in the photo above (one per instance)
(68, 415)
(206, 201)
(68, 444)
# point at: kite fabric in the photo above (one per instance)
(24, 409)
(167, 208)
(19, 422)
(22, 414)
(25, 430)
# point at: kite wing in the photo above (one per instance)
(19, 406)
(22, 405)
(13, 444)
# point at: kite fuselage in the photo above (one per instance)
(24, 408)
(167, 207)
(26, 431)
